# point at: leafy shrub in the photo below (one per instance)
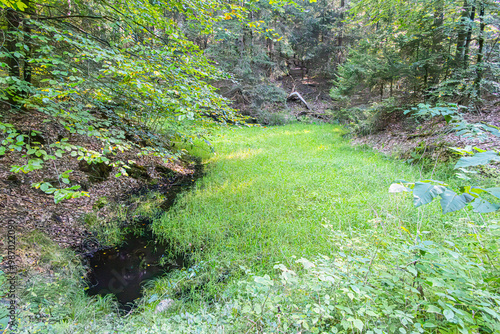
(347, 115)
(267, 94)
(272, 118)
(364, 121)
(397, 284)
(453, 115)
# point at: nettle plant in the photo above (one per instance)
(482, 200)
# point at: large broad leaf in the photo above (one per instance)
(482, 158)
(424, 193)
(493, 130)
(483, 206)
(450, 201)
(494, 191)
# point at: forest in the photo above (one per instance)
(251, 166)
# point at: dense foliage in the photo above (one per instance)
(123, 73)
(436, 49)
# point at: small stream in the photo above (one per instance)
(123, 270)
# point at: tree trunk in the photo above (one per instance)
(437, 41)
(341, 24)
(13, 23)
(480, 65)
(462, 34)
(27, 73)
(340, 38)
(469, 36)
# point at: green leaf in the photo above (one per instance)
(266, 280)
(58, 197)
(429, 325)
(483, 206)
(483, 158)
(306, 263)
(492, 312)
(450, 201)
(424, 193)
(494, 191)
(398, 188)
(21, 5)
(449, 315)
(358, 324)
(153, 298)
(433, 309)
(412, 270)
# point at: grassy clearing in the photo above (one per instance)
(293, 230)
(269, 192)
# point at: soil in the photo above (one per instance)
(403, 136)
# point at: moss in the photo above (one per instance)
(100, 203)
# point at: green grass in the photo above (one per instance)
(268, 192)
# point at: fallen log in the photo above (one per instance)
(297, 96)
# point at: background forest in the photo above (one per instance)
(114, 56)
(103, 105)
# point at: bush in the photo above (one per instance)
(364, 121)
(273, 118)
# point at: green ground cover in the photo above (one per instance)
(269, 192)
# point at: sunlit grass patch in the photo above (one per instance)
(268, 192)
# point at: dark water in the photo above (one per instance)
(123, 270)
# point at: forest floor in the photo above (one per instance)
(279, 214)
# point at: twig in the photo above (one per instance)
(371, 262)
(70, 16)
(433, 169)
